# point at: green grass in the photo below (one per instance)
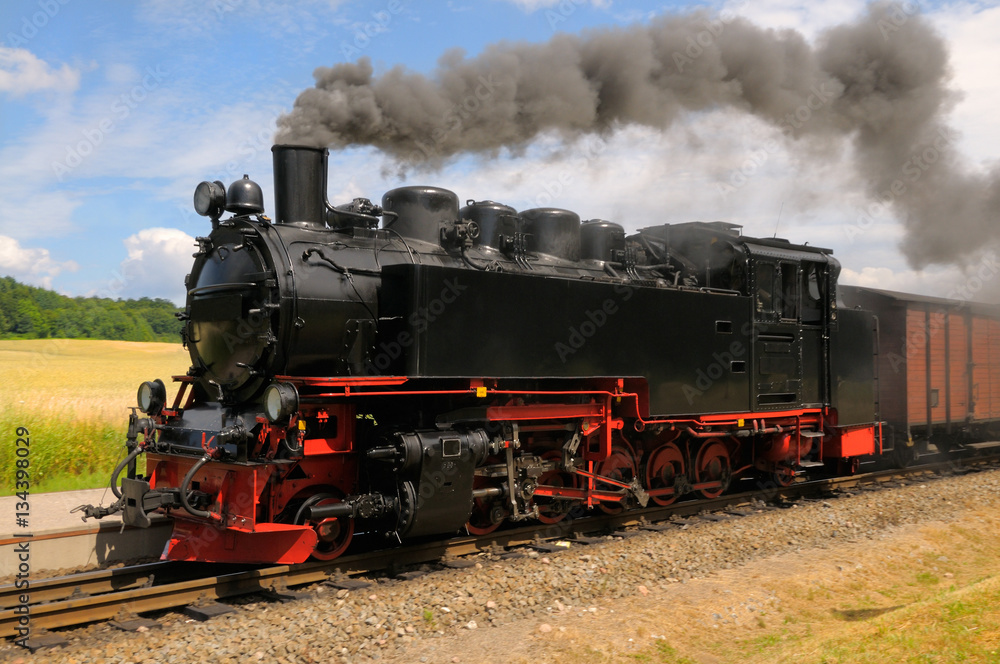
(73, 397)
(66, 451)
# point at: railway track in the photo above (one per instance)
(109, 594)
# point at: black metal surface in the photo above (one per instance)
(602, 240)
(510, 325)
(552, 231)
(497, 222)
(439, 492)
(423, 211)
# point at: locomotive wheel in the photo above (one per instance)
(554, 510)
(483, 519)
(712, 465)
(333, 535)
(620, 465)
(663, 467)
(783, 475)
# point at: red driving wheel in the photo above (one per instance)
(712, 465)
(663, 467)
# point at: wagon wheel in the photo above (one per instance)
(620, 465)
(333, 534)
(554, 510)
(904, 455)
(713, 465)
(664, 465)
(487, 515)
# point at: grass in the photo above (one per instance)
(961, 625)
(73, 397)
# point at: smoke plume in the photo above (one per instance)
(880, 82)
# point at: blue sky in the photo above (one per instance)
(112, 112)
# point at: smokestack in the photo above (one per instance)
(880, 82)
(300, 174)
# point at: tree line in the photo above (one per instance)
(28, 312)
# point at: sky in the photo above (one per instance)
(112, 112)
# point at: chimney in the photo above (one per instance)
(300, 185)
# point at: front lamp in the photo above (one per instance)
(280, 401)
(210, 199)
(152, 396)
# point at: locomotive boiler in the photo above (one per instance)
(419, 367)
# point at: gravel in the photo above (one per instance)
(363, 625)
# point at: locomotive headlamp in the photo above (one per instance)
(210, 199)
(280, 401)
(152, 396)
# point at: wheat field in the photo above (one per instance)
(74, 396)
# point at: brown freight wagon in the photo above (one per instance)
(938, 368)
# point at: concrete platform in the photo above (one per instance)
(62, 540)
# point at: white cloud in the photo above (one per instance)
(33, 266)
(158, 259)
(21, 73)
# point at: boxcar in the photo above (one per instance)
(938, 368)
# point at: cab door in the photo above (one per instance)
(777, 342)
(813, 308)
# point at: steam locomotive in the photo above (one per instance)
(415, 368)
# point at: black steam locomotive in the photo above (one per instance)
(417, 368)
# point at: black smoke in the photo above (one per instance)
(880, 82)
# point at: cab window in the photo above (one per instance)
(789, 274)
(813, 293)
